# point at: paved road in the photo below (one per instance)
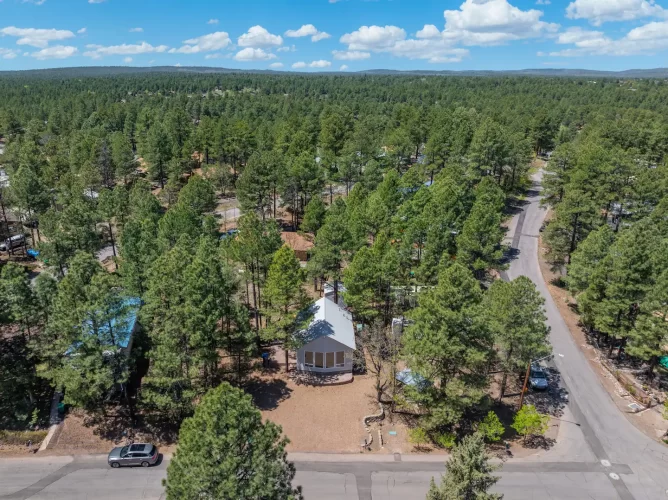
(610, 436)
(599, 454)
(89, 477)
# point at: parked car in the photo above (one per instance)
(143, 454)
(15, 241)
(538, 378)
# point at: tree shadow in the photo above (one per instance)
(551, 401)
(268, 394)
(539, 442)
(120, 427)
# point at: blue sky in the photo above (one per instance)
(341, 35)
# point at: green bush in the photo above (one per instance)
(417, 436)
(528, 421)
(491, 428)
(446, 440)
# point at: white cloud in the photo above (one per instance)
(36, 2)
(579, 36)
(8, 53)
(217, 55)
(350, 55)
(308, 30)
(136, 30)
(429, 31)
(314, 64)
(375, 38)
(251, 54)
(55, 52)
(598, 12)
(320, 64)
(39, 38)
(320, 36)
(493, 22)
(343, 67)
(291, 48)
(99, 51)
(392, 40)
(212, 21)
(643, 40)
(127, 60)
(543, 2)
(258, 37)
(81, 31)
(276, 65)
(96, 1)
(207, 43)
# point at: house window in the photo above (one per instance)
(308, 359)
(340, 362)
(329, 358)
(319, 360)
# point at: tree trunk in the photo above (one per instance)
(113, 245)
(287, 358)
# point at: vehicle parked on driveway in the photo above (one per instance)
(143, 454)
(538, 378)
(15, 241)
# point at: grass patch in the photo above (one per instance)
(20, 438)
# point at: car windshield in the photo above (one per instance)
(538, 374)
(124, 451)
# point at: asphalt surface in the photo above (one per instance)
(599, 454)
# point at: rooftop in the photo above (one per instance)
(329, 320)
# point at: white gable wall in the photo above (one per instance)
(325, 344)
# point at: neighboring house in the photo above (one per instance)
(298, 243)
(329, 340)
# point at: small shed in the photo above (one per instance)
(329, 340)
(298, 243)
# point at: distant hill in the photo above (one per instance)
(98, 71)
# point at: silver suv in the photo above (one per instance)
(143, 454)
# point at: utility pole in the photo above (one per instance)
(526, 378)
(524, 387)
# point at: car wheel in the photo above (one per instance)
(115, 465)
(144, 464)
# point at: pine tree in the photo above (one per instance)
(314, 215)
(587, 256)
(332, 243)
(648, 339)
(158, 152)
(449, 341)
(18, 298)
(226, 452)
(286, 297)
(479, 244)
(122, 156)
(198, 195)
(516, 311)
(468, 473)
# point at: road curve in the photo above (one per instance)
(608, 433)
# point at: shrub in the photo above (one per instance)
(417, 436)
(528, 421)
(446, 440)
(491, 428)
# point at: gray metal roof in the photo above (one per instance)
(329, 320)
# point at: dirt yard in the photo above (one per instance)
(650, 421)
(323, 418)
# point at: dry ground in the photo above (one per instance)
(324, 418)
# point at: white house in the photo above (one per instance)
(328, 341)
